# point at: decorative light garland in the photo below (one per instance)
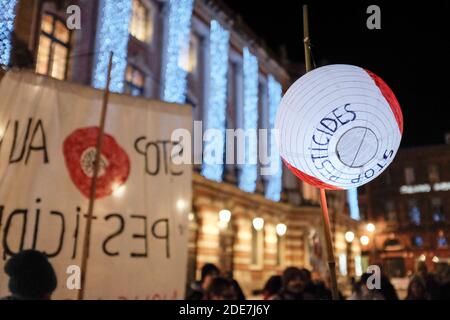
(112, 36)
(7, 16)
(216, 106)
(274, 181)
(352, 199)
(177, 40)
(249, 171)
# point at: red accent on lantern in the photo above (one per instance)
(309, 179)
(390, 98)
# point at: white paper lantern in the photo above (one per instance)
(339, 127)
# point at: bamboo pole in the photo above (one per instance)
(329, 244)
(98, 147)
(323, 198)
(306, 39)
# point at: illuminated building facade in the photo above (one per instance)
(410, 207)
(252, 225)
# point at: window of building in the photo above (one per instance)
(433, 173)
(387, 177)
(233, 117)
(280, 250)
(393, 244)
(263, 123)
(226, 242)
(257, 247)
(192, 61)
(414, 212)
(233, 99)
(417, 241)
(54, 46)
(141, 22)
(389, 208)
(362, 190)
(134, 81)
(188, 60)
(310, 193)
(363, 211)
(437, 210)
(343, 264)
(409, 175)
(263, 105)
(358, 266)
(395, 267)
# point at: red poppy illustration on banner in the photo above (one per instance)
(79, 153)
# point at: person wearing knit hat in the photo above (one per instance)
(31, 276)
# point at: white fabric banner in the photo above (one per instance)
(48, 133)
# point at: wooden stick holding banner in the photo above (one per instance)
(323, 198)
(93, 190)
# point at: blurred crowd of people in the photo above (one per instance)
(301, 284)
(426, 285)
(423, 285)
(293, 284)
(32, 277)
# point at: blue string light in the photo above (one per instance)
(112, 35)
(414, 215)
(273, 187)
(7, 16)
(442, 242)
(216, 107)
(352, 199)
(178, 28)
(249, 172)
(418, 241)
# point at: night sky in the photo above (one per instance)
(410, 52)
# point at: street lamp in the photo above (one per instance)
(224, 218)
(370, 227)
(258, 223)
(349, 236)
(225, 215)
(281, 229)
(364, 240)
